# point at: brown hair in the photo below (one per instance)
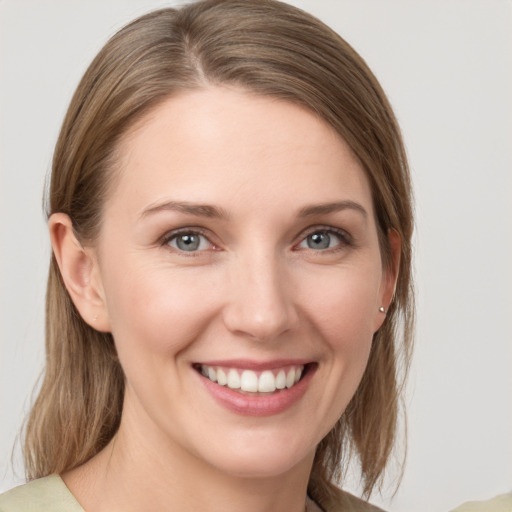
(272, 49)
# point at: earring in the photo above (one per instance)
(382, 310)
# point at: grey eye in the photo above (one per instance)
(189, 242)
(319, 240)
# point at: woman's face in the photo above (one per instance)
(239, 248)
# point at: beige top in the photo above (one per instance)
(502, 503)
(50, 494)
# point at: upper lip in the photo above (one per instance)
(249, 364)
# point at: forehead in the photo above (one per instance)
(227, 145)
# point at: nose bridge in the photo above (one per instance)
(260, 304)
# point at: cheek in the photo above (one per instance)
(156, 311)
(343, 312)
(343, 306)
(340, 312)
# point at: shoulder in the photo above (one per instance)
(350, 503)
(44, 494)
(342, 501)
(502, 503)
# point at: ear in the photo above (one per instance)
(80, 272)
(389, 276)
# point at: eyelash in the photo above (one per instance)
(345, 238)
(193, 231)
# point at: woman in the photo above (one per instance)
(229, 298)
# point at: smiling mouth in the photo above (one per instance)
(252, 382)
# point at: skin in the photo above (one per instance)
(254, 290)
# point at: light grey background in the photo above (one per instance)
(447, 68)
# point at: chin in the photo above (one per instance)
(263, 460)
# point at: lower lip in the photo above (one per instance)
(263, 405)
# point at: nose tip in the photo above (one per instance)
(260, 305)
(261, 324)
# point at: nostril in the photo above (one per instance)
(258, 326)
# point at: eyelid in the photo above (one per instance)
(345, 236)
(194, 230)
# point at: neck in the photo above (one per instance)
(143, 470)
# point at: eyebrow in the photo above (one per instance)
(326, 208)
(206, 210)
(199, 210)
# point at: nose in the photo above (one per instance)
(260, 299)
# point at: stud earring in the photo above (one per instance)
(382, 310)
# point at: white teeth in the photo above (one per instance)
(281, 380)
(267, 382)
(222, 378)
(248, 380)
(290, 378)
(233, 379)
